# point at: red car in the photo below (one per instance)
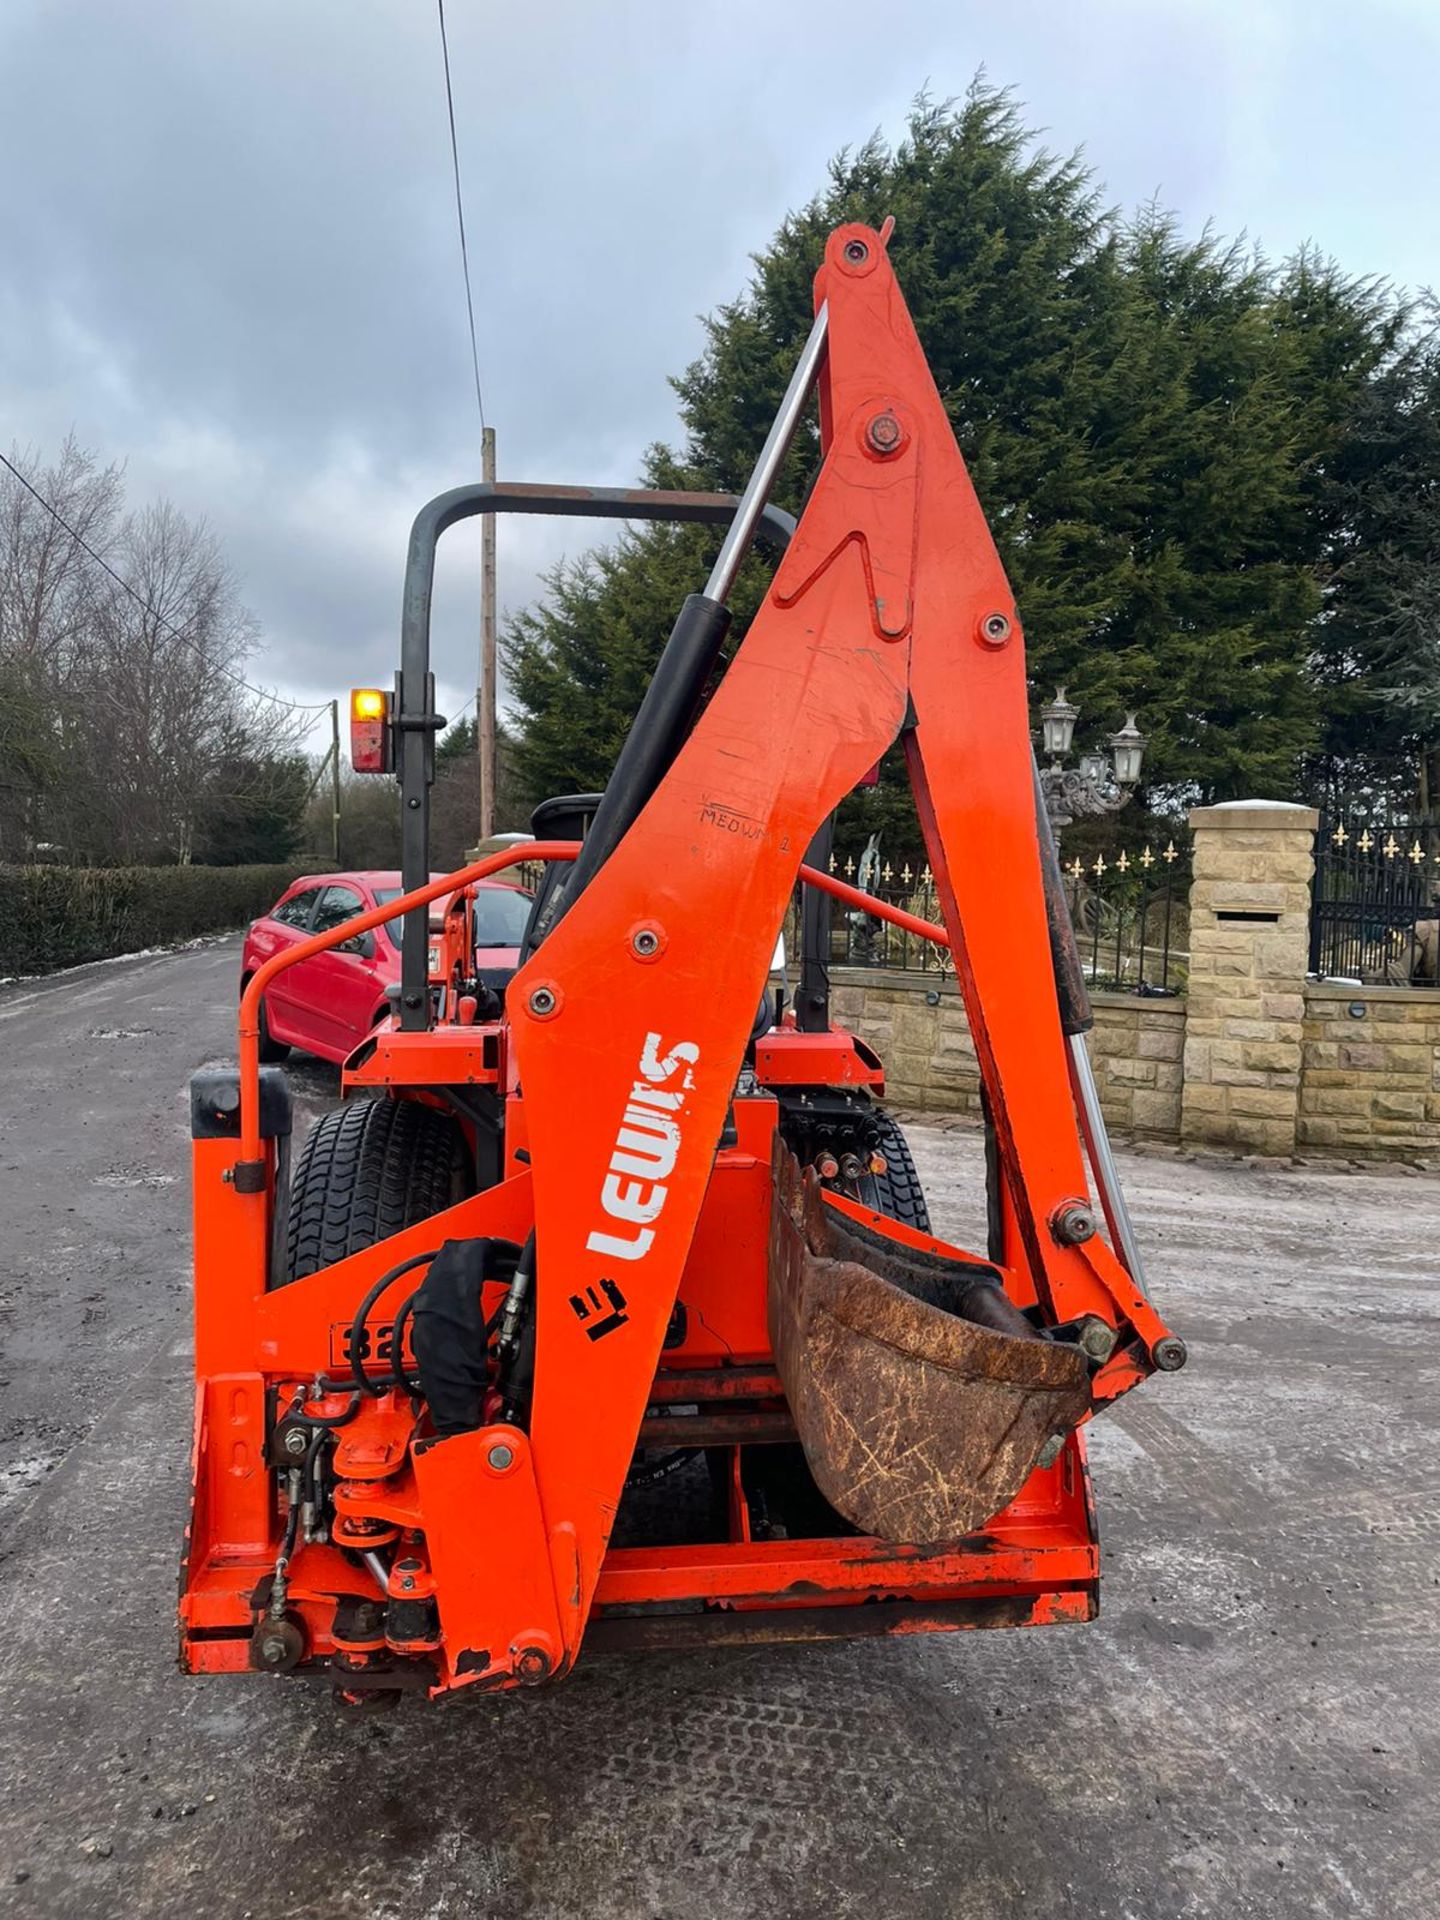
(326, 1005)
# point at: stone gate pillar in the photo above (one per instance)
(1249, 931)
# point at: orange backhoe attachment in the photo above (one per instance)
(675, 1355)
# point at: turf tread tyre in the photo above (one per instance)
(896, 1192)
(369, 1169)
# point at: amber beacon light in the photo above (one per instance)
(370, 732)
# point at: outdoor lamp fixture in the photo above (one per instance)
(1101, 783)
(1057, 725)
(1128, 747)
(1094, 767)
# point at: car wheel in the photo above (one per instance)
(272, 1050)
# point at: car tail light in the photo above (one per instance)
(371, 735)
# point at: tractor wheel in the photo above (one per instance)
(367, 1170)
(896, 1192)
(271, 1049)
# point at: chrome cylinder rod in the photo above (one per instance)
(1102, 1163)
(741, 530)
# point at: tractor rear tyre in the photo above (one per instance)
(896, 1192)
(370, 1169)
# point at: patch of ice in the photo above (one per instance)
(21, 1476)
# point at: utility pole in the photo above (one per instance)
(335, 781)
(485, 691)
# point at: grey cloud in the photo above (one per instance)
(229, 254)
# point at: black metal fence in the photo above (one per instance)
(1131, 913)
(859, 940)
(1375, 903)
(1130, 907)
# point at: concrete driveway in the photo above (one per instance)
(1251, 1728)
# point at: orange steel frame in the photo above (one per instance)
(889, 612)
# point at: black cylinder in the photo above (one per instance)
(1070, 988)
(812, 1005)
(656, 735)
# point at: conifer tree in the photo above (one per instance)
(1149, 421)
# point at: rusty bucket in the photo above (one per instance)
(921, 1394)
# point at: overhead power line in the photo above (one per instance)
(226, 673)
(460, 214)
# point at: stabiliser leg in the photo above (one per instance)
(890, 612)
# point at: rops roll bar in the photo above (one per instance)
(664, 716)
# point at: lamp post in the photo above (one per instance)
(1101, 782)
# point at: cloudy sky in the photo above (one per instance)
(228, 253)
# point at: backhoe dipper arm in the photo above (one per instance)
(889, 612)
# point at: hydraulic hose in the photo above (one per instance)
(363, 1383)
(398, 1374)
(325, 1422)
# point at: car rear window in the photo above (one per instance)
(500, 915)
(392, 929)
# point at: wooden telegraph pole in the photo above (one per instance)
(335, 781)
(485, 691)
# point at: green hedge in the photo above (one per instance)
(59, 916)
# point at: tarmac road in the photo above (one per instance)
(1251, 1728)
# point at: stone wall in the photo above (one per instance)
(1370, 1078)
(1257, 1060)
(1136, 1050)
(917, 1024)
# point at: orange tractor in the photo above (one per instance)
(606, 1308)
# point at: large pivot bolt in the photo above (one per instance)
(884, 434)
(647, 941)
(277, 1646)
(1097, 1338)
(1169, 1354)
(543, 1002)
(532, 1665)
(995, 629)
(1073, 1223)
